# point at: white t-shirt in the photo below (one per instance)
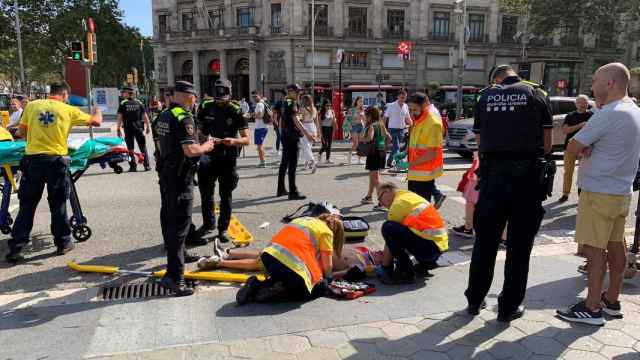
(14, 119)
(259, 109)
(397, 115)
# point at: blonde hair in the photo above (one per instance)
(582, 96)
(387, 186)
(334, 222)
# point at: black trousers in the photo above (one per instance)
(401, 241)
(222, 170)
(137, 135)
(327, 140)
(296, 289)
(289, 164)
(176, 211)
(426, 189)
(509, 192)
(38, 170)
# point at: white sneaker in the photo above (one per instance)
(208, 263)
(314, 167)
(360, 162)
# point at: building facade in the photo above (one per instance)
(265, 44)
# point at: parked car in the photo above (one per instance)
(461, 139)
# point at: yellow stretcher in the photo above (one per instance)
(241, 237)
(191, 275)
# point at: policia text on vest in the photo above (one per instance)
(513, 124)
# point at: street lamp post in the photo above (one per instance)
(461, 10)
(314, 15)
(19, 40)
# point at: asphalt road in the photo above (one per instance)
(123, 212)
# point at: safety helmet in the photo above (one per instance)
(222, 90)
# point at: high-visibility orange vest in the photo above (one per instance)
(418, 146)
(296, 247)
(425, 221)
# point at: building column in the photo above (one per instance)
(266, 17)
(171, 77)
(222, 56)
(228, 15)
(253, 70)
(421, 69)
(493, 29)
(377, 24)
(338, 21)
(196, 71)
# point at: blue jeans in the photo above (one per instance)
(396, 137)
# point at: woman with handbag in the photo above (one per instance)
(375, 139)
(312, 125)
(356, 120)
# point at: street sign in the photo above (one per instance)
(340, 56)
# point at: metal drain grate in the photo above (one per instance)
(143, 290)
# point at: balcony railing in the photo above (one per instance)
(321, 30)
(242, 30)
(606, 43)
(277, 29)
(507, 39)
(541, 42)
(575, 42)
(391, 34)
(436, 36)
(479, 38)
(362, 34)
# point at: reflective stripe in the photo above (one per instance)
(434, 232)
(180, 113)
(308, 233)
(295, 261)
(424, 173)
(419, 209)
(421, 147)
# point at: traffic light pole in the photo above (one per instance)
(87, 69)
(462, 34)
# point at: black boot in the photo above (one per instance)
(179, 288)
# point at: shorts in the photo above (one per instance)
(259, 135)
(601, 219)
(356, 128)
(376, 161)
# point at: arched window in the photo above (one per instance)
(242, 67)
(187, 68)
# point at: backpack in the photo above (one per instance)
(356, 229)
(312, 210)
(267, 116)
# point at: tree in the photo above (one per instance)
(50, 25)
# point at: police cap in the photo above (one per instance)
(418, 98)
(498, 69)
(184, 87)
(294, 87)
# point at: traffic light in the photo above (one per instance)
(92, 51)
(77, 50)
(404, 49)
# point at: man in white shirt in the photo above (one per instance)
(16, 112)
(399, 119)
(260, 131)
(244, 106)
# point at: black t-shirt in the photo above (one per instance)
(510, 119)
(573, 119)
(175, 128)
(288, 110)
(132, 111)
(221, 121)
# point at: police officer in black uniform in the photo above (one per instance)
(513, 124)
(134, 118)
(223, 120)
(292, 130)
(179, 153)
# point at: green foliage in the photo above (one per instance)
(635, 71)
(49, 26)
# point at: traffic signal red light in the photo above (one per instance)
(404, 49)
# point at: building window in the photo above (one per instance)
(187, 67)
(392, 61)
(476, 28)
(436, 61)
(638, 54)
(395, 23)
(358, 21)
(322, 19)
(509, 29)
(441, 21)
(476, 63)
(322, 58)
(216, 19)
(187, 22)
(162, 24)
(245, 17)
(356, 59)
(276, 18)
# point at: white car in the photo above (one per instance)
(462, 140)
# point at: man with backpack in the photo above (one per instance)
(262, 116)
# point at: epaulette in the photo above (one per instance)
(235, 105)
(206, 102)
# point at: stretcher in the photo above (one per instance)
(103, 151)
(189, 275)
(240, 235)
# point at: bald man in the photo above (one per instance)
(609, 145)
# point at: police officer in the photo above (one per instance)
(292, 130)
(179, 153)
(134, 118)
(221, 119)
(46, 124)
(513, 125)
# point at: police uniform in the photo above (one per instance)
(219, 120)
(132, 111)
(290, 145)
(510, 119)
(176, 127)
(48, 123)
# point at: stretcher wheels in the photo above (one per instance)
(5, 229)
(117, 169)
(81, 233)
(73, 221)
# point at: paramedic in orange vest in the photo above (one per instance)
(298, 262)
(425, 149)
(413, 227)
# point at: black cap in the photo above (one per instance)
(222, 89)
(294, 87)
(184, 87)
(418, 98)
(128, 88)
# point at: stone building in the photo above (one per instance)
(265, 44)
